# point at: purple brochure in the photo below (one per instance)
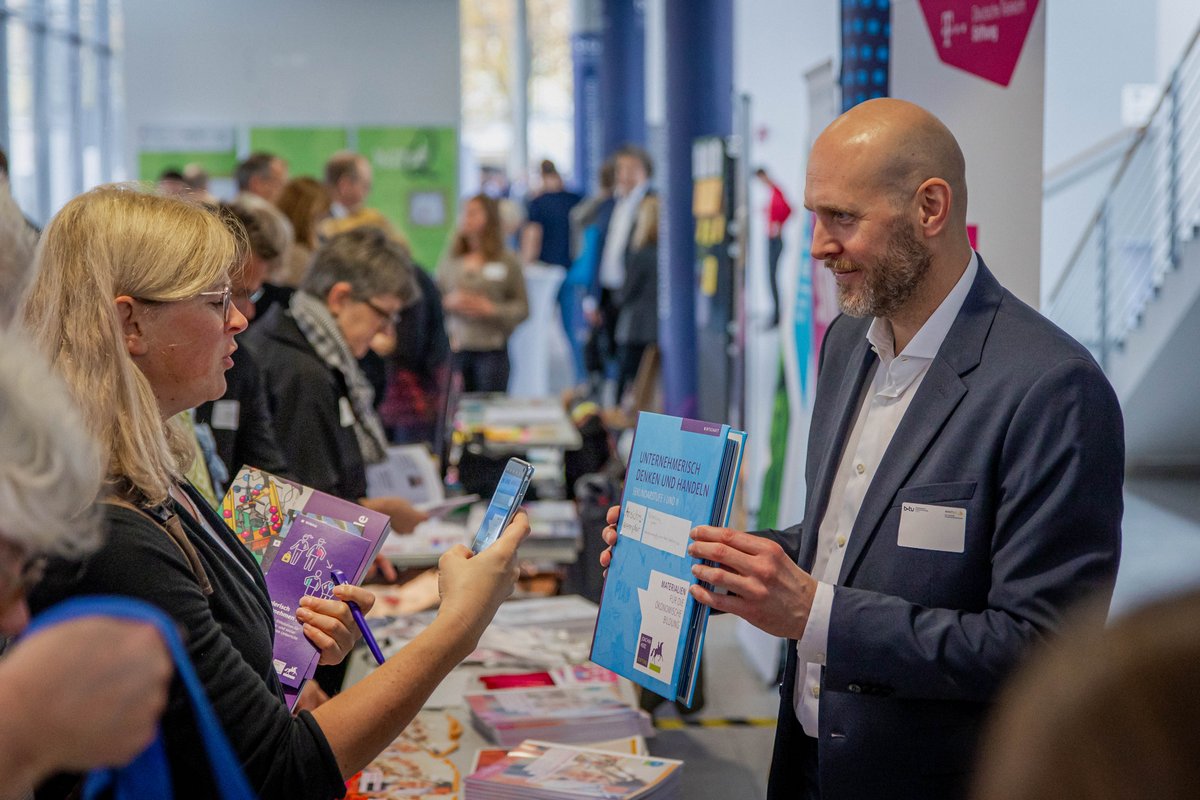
(308, 553)
(258, 505)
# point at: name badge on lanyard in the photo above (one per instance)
(345, 412)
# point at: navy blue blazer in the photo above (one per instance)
(1015, 423)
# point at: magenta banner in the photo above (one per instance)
(982, 37)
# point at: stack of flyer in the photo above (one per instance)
(582, 713)
(545, 771)
(682, 474)
(299, 536)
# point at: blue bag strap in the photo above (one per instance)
(148, 775)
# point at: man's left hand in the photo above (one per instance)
(767, 588)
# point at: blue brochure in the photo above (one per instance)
(682, 473)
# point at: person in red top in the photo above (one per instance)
(778, 212)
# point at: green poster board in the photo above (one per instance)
(415, 174)
(217, 164)
(305, 149)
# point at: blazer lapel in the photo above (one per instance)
(858, 365)
(939, 394)
(937, 397)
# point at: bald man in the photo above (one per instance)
(964, 479)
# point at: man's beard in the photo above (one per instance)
(891, 281)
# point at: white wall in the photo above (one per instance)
(1093, 49)
(1000, 132)
(280, 62)
(1177, 22)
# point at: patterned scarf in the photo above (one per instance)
(321, 330)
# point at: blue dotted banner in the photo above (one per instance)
(866, 49)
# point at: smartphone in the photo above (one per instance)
(505, 502)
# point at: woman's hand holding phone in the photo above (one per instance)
(473, 585)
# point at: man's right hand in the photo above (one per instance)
(83, 694)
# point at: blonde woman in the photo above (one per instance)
(131, 303)
(637, 299)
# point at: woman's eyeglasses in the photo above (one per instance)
(226, 296)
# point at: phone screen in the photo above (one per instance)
(504, 504)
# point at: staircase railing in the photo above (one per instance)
(1149, 211)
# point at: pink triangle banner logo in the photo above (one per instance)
(982, 37)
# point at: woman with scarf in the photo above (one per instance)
(321, 403)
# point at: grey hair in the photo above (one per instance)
(368, 260)
(17, 241)
(51, 471)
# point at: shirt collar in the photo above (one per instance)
(635, 194)
(928, 340)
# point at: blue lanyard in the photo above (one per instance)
(149, 775)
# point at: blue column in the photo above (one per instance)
(698, 60)
(866, 50)
(587, 49)
(623, 73)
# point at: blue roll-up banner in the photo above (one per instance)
(866, 50)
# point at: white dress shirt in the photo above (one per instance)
(887, 394)
(616, 242)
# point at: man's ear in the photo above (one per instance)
(131, 329)
(338, 295)
(934, 201)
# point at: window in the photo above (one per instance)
(61, 102)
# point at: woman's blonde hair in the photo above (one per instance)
(113, 241)
(645, 228)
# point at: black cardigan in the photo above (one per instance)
(228, 635)
(305, 396)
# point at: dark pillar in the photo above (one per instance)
(697, 52)
(587, 49)
(623, 73)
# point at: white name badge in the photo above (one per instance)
(933, 527)
(345, 412)
(225, 415)
(495, 271)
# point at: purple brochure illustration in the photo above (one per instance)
(257, 507)
(308, 553)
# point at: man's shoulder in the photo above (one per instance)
(1022, 334)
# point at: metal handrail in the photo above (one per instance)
(1120, 260)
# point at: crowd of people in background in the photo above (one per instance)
(602, 247)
